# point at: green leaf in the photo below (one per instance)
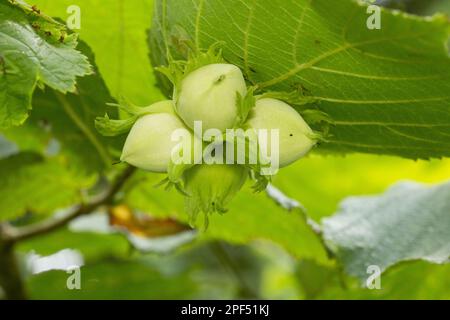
(116, 32)
(177, 70)
(33, 184)
(104, 280)
(416, 280)
(429, 7)
(7, 148)
(409, 222)
(93, 246)
(314, 278)
(387, 91)
(226, 272)
(69, 120)
(320, 183)
(33, 49)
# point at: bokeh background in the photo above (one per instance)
(258, 249)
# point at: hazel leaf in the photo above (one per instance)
(35, 50)
(386, 91)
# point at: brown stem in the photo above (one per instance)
(15, 234)
(10, 278)
(11, 281)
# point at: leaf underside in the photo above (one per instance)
(409, 222)
(387, 91)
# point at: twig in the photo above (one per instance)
(14, 234)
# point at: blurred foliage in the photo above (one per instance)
(429, 7)
(321, 182)
(35, 51)
(67, 121)
(241, 224)
(257, 250)
(115, 270)
(116, 32)
(41, 186)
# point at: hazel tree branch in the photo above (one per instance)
(14, 234)
(11, 282)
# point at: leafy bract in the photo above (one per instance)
(409, 222)
(250, 217)
(34, 49)
(386, 91)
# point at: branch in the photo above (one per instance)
(10, 278)
(14, 234)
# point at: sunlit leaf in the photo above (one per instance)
(32, 184)
(33, 48)
(68, 120)
(116, 31)
(387, 91)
